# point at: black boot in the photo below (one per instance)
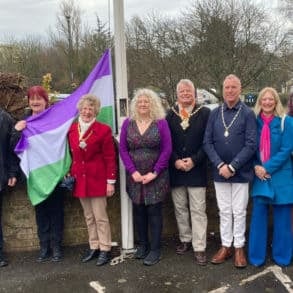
(152, 258)
(90, 254)
(57, 253)
(104, 257)
(141, 252)
(3, 262)
(44, 254)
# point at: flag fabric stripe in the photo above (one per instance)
(67, 107)
(42, 147)
(39, 156)
(46, 178)
(103, 89)
(106, 115)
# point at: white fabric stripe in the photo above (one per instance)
(103, 89)
(44, 148)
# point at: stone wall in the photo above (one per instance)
(19, 225)
(20, 233)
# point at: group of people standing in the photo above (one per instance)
(243, 147)
(93, 168)
(170, 151)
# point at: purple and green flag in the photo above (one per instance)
(43, 148)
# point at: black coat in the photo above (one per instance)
(8, 160)
(188, 143)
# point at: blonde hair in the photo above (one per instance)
(92, 100)
(278, 111)
(156, 108)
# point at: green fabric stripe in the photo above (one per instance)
(42, 181)
(106, 116)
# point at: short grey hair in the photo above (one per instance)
(186, 82)
(92, 100)
(233, 76)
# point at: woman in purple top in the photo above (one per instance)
(145, 149)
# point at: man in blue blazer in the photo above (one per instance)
(230, 143)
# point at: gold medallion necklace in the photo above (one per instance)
(82, 141)
(185, 120)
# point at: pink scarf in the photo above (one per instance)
(265, 138)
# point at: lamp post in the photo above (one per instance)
(70, 48)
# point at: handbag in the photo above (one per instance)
(68, 182)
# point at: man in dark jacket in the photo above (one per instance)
(188, 175)
(8, 166)
(230, 143)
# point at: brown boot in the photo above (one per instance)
(240, 258)
(222, 254)
(183, 247)
(200, 258)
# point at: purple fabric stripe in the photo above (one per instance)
(65, 110)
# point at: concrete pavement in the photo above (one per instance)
(173, 273)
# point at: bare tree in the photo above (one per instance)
(206, 42)
(286, 7)
(210, 40)
(156, 53)
(69, 34)
(232, 37)
(94, 42)
(25, 57)
(286, 11)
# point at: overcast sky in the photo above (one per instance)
(19, 18)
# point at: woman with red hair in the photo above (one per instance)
(50, 212)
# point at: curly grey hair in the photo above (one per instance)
(156, 108)
(92, 100)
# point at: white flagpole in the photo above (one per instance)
(122, 101)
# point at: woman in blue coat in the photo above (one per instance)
(273, 182)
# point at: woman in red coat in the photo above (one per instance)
(94, 169)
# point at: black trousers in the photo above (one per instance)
(149, 218)
(50, 219)
(1, 233)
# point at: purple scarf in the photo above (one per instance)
(265, 138)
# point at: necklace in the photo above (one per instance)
(82, 141)
(145, 122)
(226, 132)
(185, 120)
